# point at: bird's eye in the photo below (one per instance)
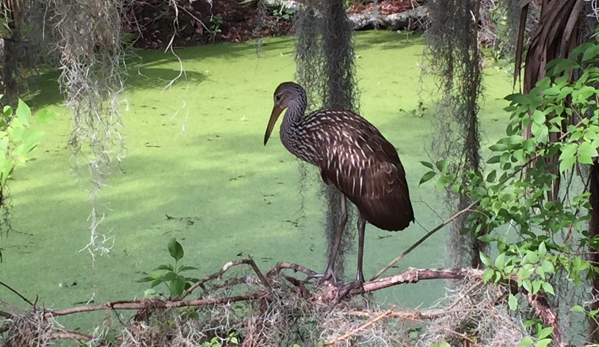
(278, 97)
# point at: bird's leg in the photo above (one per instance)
(361, 230)
(359, 282)
(329, 273)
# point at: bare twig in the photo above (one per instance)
(295, 267)
(17, 293)
(215, 275)
(361, 327)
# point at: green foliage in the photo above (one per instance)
(171, 275)
(284, 13)
(216, 341)
(214, 26)
(18, 138)
(548, 234)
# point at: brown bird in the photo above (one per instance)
(353, 156)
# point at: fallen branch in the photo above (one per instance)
(149, 304)
(414, 275)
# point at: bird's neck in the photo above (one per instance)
(294, 116)
(292, 127)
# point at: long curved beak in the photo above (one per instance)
(276, 112)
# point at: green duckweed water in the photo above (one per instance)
(195, 153)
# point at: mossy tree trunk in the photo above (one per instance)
(325, 67)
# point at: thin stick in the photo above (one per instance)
(422, 239)
(259, 273)
(361, 327)
(14, 291)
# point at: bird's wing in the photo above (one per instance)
(362, 163)
(365, 167)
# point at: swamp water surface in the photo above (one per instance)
(195, 153)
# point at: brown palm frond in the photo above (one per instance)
(556, 36)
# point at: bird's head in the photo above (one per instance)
(287, 94)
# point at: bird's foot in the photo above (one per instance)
(356, 286)
(327, 276)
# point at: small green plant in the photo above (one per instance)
(171, 275)
(214, 27)
(18, 137)
(417, 112)
(218, 342)
(283, 14)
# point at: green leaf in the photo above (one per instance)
(542, 250)
(44, 116)
(539, 270)
(548, 288)
(574, 54)
(187, 268)
(518, 99)
(156, 275)
(23, 112)
(527, 285)
(156, 282)
(544, 343)
(441, 165)
(545, 332)
(527, 341)
(485, 259)
(499, 261)
(428, 165)
(492, 176)
(540, 131)
(577, 308)
(444, 181)
(590, 53)
(427, 177)
(7, 111)
(559, 65)
(512, 302)
(532, 257)
(494, 159)
(538, 117)
(488, 274)
(31, 139)
(165, 267)
(548, 266)
(175, 249)
(586, 153)
(178, 286)
(568, 157)
(169, 276)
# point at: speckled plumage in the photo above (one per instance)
(352, 155)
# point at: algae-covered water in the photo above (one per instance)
(195, 153)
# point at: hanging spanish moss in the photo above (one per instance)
(325, 67)
(92, 64)
(454, 57)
